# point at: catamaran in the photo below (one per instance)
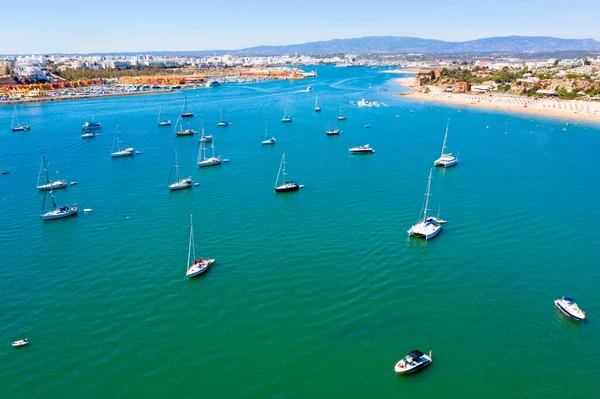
(285, 184)
(121, 152)
(267, 140)
(222, 122)
(165, 122)
(202, 160)
(184, 111)
(317, 107)
(15, 126)
(178, 184)
(428, 226)
(446, 159)
(195, 266)
(286, 118)
(341, 116)
(44, 173)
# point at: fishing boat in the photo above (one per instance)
(88, 134)
(568, 306)
(341, 116)
(91, 125)
(179, 183)
(161, 122)
(184, 132)
(56, 212)
(184, 111)
(195, 266)
(43, 181)
(362, 149)
(267, 140)
(19, 343)
(222, 123)
(285, 185)
(427, 227)
(15, 126)
(446, 159)
(414, 361)
(332, 132)
(121, 151)
(286, 118)
(203, 160)
(317, 107)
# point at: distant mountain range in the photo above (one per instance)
(401, 44)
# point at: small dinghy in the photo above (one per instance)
(87, 210)
(21, 342)
(568, 306)
(5, 172)
(414, 361)
(73, 183)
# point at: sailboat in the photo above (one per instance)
(87, 126)
(317, 107)
(332, 132)
(181, 132)
(203, 160)
(165, 122)
(446, 159)
(179, 183)
(44, 172)
(205, 138)
(195, 266)
(15, 126)
(285, 184)
(286, 118)
(121, 152)
(427, 227)
(267, 140)
(341, 117)
(56, 212)
(222, 123)
(184, 111)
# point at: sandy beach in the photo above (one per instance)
(554, 108)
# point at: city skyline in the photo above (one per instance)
(137, 26)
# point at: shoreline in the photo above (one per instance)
(553, 108)
(82, 97)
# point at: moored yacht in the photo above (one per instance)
(317, 106)
(414, 361)
(427, 227)
(203, 160)
(341, 116)
(446, 159)
(184, 132)
(91, 125)
(362, 149)
(267, 140)
(179, 183)
(88, 134)
(286, 185)
(184, 111)
(121, 151)
(568, 306)
(15, 126)
(222, 122)
(44, 175)
(57, 212)
(195, 266)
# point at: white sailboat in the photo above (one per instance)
(205, 138)
(202, 160)
(222, 122)
(44, 174)
(285, 185)
(178, 184)
(427, 227)
(184, 111)
(195, 266)
(56, 212)
(286, 118)
(160, 122)
(184, 132)
(267, 140)
(317, 107)
(332, 132)
(15, 126)
(121, 151)
(341, 116)
(446, 159)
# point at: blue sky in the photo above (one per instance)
(137, 25)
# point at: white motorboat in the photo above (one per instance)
(222, 122)
(120, 152)
(568, 306)
(179, 183)
(414, 361)
(19, 343)
(308, 89)
(15, 126)
(203, 160)
(161, 122)
(267, 140)
(362, 149)
(285, 185)
(341, 116)
(427, 227)
(195, 266)
(91, 125)
(446, 159)
(44, 182)
(317, 107)
(88, 135)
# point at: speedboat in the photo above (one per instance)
(363, 149)
(125, 152)
(205, 139)
(308, 89)
(199, 267)
(60, 212)
(414, 361)
(21, 342)
(568, 306)
(332, 132)
(267, 141)
(286, 119)
(88, 135)
(213, 83)
(91, 126)
(181, 184)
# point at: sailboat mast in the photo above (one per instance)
(427, 197)
(266, 132)
(445, 138)
(191, 244)
(176, 167)
(159, 111)
(280, 166)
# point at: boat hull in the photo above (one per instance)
(414, 369)
(287, 188)
(121, 154)
(566, 312)
(209, 162)
(52, 186)
(167, 123)
(187, 183)
(427, 234)
(59, 215)
(187, 115)
(20, 129)
(222, 124)
(195, 271)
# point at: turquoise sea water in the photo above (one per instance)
(316, 293)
